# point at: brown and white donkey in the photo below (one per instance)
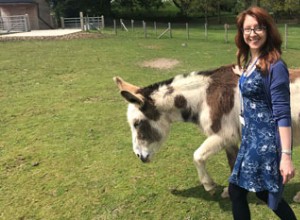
(209, 99)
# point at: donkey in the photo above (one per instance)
(209, 99)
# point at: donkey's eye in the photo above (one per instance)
(136, 124)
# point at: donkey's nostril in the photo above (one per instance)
(138, 155)
(145, 159)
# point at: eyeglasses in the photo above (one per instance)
(256, 30)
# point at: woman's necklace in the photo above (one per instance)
(250, 66)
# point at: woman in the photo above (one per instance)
(264, 161)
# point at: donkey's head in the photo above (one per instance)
(149, 126)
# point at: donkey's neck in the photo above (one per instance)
(182, 100)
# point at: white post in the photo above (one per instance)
(170, 30)
(285, 36)
(226, 32)
(132, 24)
(62, 22)
(187, 31)
(27, 23)
(87, 23)
(81, 20)
(145, 29)
(115, 27)
(205, 31)
(102, 22)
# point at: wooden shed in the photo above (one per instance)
(38, 12)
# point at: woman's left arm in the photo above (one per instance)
(280, 98)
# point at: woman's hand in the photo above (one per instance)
(287, 169)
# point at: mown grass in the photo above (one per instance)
(65, 146)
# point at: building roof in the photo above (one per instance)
(16, 1)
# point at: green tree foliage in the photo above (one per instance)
(71, 8)
(184, 6)
(279, 8)
(138, 4)
(187, 8)
(202, 7)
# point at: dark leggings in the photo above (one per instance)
(240, 207)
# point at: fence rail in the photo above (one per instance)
(19, 23)
(71, 23)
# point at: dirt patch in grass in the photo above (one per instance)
(160, 63)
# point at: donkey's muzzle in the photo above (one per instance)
(144, 159)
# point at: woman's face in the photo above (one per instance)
(254, 34)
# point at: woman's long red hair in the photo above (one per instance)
(270, 51)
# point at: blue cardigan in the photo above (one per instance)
(277, 87)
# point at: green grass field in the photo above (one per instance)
(65, 146)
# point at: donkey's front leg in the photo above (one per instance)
(212, 145)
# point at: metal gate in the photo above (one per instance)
(84, 23)
(12, 24)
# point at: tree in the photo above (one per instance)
(71, 8)
(281, 7)
(139, 4)
(183, 5)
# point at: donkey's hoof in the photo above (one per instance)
(210, 188)
(212, 192)
(297, 197)
(225, 193)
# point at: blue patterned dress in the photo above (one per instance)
(257, 165)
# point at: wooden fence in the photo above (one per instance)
(166, 30)
(148, 28)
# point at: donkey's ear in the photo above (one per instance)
(132, 98)
(122, 85)
(129, 91)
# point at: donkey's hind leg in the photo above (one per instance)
(212, 145)
(231, 153)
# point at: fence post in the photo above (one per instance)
(226, 32)
(205, 31)
(155, 29)
(132, 25)
(62, 22)
(285, 36)
(88, 22)
(102, 22)
(170, 29)
(81, 21)
(27, 23)
(115, 27)
(145, 29)
(187, 31)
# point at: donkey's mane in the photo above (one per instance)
(148, 90)
(221, 69)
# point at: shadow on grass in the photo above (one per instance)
(198, 192)
(290, 191)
